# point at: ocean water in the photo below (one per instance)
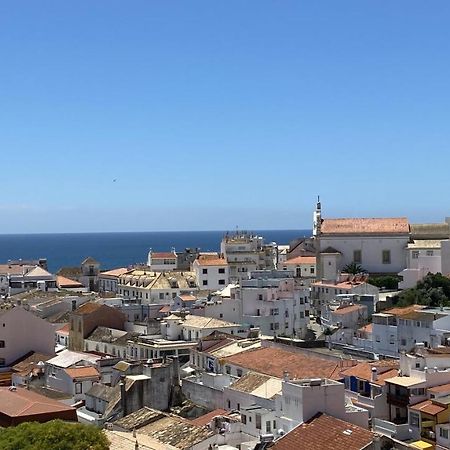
(117, 249)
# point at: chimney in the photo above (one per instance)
(123, 396)
(286, 376)
(374, 374)
(175, 370)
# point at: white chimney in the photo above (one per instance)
(374, 374)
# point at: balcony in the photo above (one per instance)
(398, 400)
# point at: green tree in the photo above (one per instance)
(53, 435)
(433, 290)
(354, 269)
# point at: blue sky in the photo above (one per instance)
(212, 114)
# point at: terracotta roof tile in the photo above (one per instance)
(324, 432)
(348, 309)
(274, 361)
(22, 402)
(363, 371)
(88, 308)
(401, 311)
(82, 372)
(428, 407)
(63, 282)
(206, 260)
(114, 272)
(439, 389)
(164, 255)
(206, 418)
(397, 225)
(301, 260)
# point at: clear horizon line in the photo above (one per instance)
(155, 231)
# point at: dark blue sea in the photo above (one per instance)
(117, 249)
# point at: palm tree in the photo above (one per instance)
(354, 269)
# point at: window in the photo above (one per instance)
(392, 339)
(403, 342)
(377, 338)
(276, 326)
(204, 271)
(238, 406)
(386, 256)
(429, 252)
(243, 419)
(239, 373)
(415, 254)
(302, 315)
(286, 324)
(260, 297)
(2, 362)
(222, 270)
(78, 388)
(228, 369)
(228, 404)
(2, 344)
(414, 420)
(311, 270)
(307, 313)
(258, 421)
(205, 282)
(222, 282)
(357, 257)
(161, 296)
(443, 433)
(268, 426)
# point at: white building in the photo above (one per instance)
(162, 261)
(211, 272)
(22, 332)
(275, 302)
(156, 287)
(246, 252)
(108, 281)
(72, 373)
(192, 328)
(377, 244)
(302, 266)
(300, 400)
(322, 292)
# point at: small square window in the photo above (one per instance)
(386, 256)
(204, 271)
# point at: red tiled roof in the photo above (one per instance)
(397, 225)
(82, 372)
(363, 371)
(67, 282)
(301, 260)
(206, 418)
(115, 272)
(210, 260)
(428, 407)
(188, 297)
(274, 361)
(439, 389)
(88, 308)
(348, 309)
(401, 311)
(65, 329)
(22, 402)
(324, 432)
(367, 328)
(163, 255)
(165, 309)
